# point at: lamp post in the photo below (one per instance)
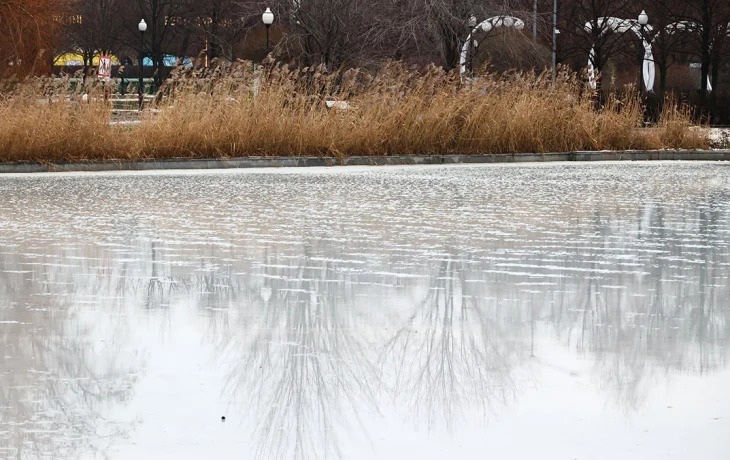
(472, 25)
(142, 29)
(268, 18)
(643, 21)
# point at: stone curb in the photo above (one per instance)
(285, 162)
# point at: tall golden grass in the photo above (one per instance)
(397, 110)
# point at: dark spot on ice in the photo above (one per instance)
(223, 419)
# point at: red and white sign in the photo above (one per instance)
(105, 67)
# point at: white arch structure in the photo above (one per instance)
(608, 25)
(487, 26)
(686, 25)
(624, 25)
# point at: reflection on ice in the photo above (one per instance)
(53, 385)
(300, 365)
(457, 349)
(331, 313)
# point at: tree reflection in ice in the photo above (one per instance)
(458, 338)
(53, 388)
(427, 296)
(305, 364)
(669, 317)
(458, 350)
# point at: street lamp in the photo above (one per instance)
(472, 25)
(268, 18)
(643, 21)
(142, 29)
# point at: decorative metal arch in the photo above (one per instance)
(608, 25)
(487, 26)
(682, 26)
(648, 66)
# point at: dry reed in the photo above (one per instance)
(398, 110)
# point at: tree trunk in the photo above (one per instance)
(706, 45)
(88, 62)
(663, 68)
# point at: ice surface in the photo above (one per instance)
(466, 312)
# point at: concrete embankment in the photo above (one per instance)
(282, 162)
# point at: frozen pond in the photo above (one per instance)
(569, 311)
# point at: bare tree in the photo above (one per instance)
(443, 25)
(667, 36)
(359, 32)
(164, 34)
(709, 20)
(96, 29)
(220, 25)
(330, 32)
(585, 27)
(29, 30)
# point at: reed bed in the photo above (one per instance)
(232, 111)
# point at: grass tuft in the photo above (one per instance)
(398, 110)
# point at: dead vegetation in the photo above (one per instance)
(234, 112)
